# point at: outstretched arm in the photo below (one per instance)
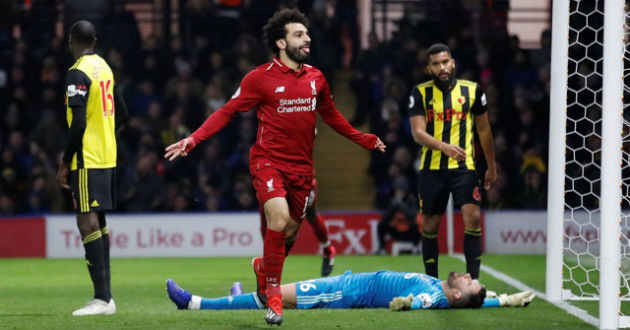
(331, 115)
(521, 299)
(247, 96)
(211, 126)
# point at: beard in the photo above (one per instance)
(444, 85)
(296, 55)
(450, 281)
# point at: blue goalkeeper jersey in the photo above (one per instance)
(371, 290)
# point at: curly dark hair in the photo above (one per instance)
(276, 26)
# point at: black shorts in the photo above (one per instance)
(435, 185)
(93, 189)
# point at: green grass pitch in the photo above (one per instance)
(41, 294)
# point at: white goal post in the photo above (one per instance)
(585, 157)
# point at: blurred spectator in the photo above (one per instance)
(541, 56)
(144, 96)
(119, 29)
(144, 192)
(533, 195)
(366, 75)
(7, 206)
(399, 219)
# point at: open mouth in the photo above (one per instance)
(306, 49)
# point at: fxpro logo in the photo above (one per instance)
(300, 104)
(354, 238)
(448, 115)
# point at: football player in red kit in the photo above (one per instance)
(319, 228)
(286, 94)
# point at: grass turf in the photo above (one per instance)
(41, 294)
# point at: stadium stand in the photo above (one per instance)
(171, 85)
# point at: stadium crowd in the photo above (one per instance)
(171, 86)
(516, 82)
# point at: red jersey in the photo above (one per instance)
(286, 102)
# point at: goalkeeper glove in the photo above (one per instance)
(520, 299)
(401, 303)
(491, 294)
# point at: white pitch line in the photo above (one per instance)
(573, 310)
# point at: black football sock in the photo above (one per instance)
(430, 252)
(472, 251)
(95, 258)
(108, 276)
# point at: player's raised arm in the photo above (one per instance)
(331, 115)
(246, 97)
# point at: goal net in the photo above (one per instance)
(593, 242)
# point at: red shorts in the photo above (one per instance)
(270, 182)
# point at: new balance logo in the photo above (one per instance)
(271, 317)
(279, 89)
(270, 185)
(95, 203)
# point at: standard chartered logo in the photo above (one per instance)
(300, 104)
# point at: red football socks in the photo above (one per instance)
(273, 260)
(320, 230)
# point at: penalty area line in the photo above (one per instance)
(573, 310)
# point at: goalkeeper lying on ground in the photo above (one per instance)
(398, 291)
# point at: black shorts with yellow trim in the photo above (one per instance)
(93, 189)
(434, 187)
